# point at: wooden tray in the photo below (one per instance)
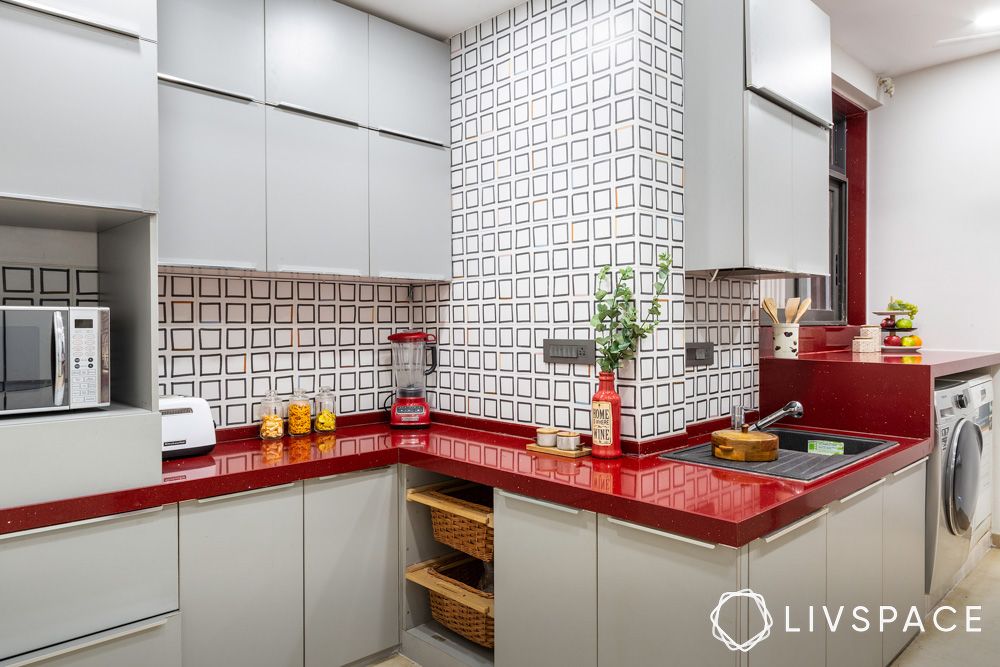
(555, 451)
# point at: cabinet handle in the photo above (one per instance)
(93, 641)
(436, 277)
(200, 86)
(70, 16)
(294, 108)
(411, 137)
(251, 492)
(540, 503)
(318, 269)
(84, 522)
(795, 526)
(910, 467)
(863, 491)
(660, 533)
(795, 108)
(353, 473)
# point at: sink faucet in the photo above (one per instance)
(792, 408)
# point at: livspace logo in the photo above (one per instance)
(857, 619)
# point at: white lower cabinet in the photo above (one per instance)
(546, 583)
(60, 583)
(655, 593)
(903, 556)
(153, 642)
(854, 578)
(351, 566)
(788, 568)
(241, 579)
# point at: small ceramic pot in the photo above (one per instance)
(546, 436)
(786, 341)
(568, 440)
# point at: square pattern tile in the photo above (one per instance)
(48, 286)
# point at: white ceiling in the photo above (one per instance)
(437, 18)
(897, 36)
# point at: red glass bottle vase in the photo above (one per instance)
(606, 419)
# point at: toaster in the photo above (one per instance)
(187, 426)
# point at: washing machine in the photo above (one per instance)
(980, 410)
(953, 485)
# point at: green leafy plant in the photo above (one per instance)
(616, 320)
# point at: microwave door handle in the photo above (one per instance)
(59, 346)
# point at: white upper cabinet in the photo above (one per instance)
(135, 17)
(317, 58)
(212, 187)
(79, 121)
(410, 209)
(788, 55)
(214, 43)
(317, 195)
(409, 82)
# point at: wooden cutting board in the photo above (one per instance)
(744, 445)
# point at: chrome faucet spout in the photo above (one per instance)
(791, 409)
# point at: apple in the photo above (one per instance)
(892, 341)
(887, 323)
(905, 323)
(909, 341)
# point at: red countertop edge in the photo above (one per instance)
(418, 449)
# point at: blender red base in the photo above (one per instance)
(410, 413)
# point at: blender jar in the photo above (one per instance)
(409, 364)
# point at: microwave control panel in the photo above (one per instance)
(84, 358)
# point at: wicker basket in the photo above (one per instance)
(455, 600)
(461, 515)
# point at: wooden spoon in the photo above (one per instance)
(791, 308)
(803, 309)
(771, 308)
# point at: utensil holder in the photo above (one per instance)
(786, 341)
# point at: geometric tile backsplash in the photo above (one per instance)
(48, 286)
(231, 339)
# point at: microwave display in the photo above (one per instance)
(83, 324)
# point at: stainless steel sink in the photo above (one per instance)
(795, 461)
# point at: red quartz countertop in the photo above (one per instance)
(940, 362)
(710, 504)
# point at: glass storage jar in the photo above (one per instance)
(271, 425)
(326, 411)
(299, 413)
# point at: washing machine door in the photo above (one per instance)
(961, 476)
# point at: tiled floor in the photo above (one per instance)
(935, 648)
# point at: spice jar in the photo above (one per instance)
(299, 414)
(326, 416)
(271, 425)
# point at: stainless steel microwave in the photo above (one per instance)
(54, 358)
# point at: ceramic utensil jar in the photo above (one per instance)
(786, 341)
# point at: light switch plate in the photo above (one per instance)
(568, 351)
(699, 354)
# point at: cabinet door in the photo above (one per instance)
(63, 582)
(215, 43)
(79, 123)
(317, 57)
(641, 575)
(153, 642)
(788, 568)
(410, 209)
(409, 82)
(212, 205)
(810, 197)
(351, 563)
(788, 55)
(769, 233)
(135, 17)
(317, 195)
(241, 579)
(903, 556)
(854, 576)
(546, 583)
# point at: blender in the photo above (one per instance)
(409, 366)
